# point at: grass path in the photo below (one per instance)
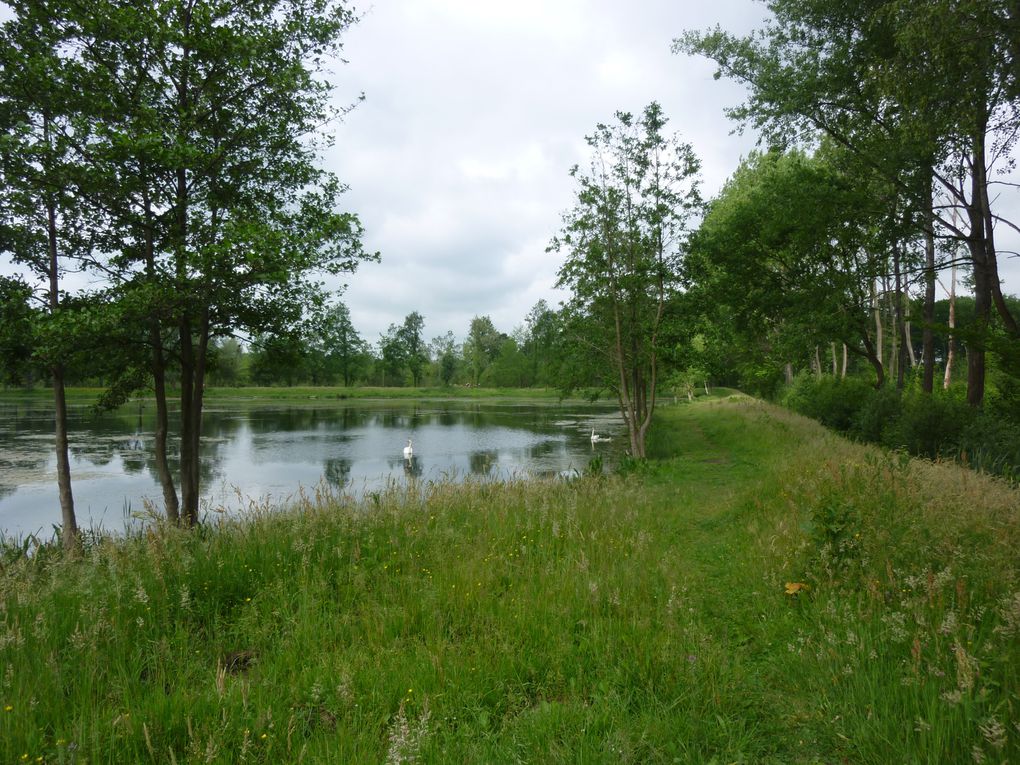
(641, 618)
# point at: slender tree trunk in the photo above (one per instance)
(871, 354)
(951, 340)
(189, 492)
(842, 373)
(928, 333)
(788, 370)
(818, 364)
(908, 341)
(69, 523)
(982, 288)
(163, 473)
(898, 347)
(878, 347)
(835, 366)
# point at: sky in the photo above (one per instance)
(458, 159)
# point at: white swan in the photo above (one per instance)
(408, 451)
(595, 438)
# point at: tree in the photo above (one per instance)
(392, 354)
(17, 318)
(445, 352)
(793, 246)
(40, 224)
(340, 341)
(624, 243)
(481, 346)
(209, 120)
(925, 93)
(415, 355)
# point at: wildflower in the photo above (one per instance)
(792, 588)
(9, 708)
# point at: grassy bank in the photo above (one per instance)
(298, 393)
(763, 592)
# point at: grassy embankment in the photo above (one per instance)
(642, 618)
(299, 393)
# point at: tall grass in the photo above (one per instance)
(764, 591)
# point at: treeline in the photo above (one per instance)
(332, 352)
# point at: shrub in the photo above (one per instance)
(831, 402)
(992, 444)
(879, 412)
(928, 426)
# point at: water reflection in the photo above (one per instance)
(253, 450)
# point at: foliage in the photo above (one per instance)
(624, 243)
(939, 426)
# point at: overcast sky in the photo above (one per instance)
(475, 111)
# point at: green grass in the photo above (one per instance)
(90, 395)
(637, 618)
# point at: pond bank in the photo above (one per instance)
(763, 592)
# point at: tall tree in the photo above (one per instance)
(445, 352)
(624, 243)
(41, 226)
(925, 92)
(415, 352)
(481, 347)
(211, 116)
(341, 342)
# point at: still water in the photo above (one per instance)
(258, 451)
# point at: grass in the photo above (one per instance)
(636, 618)
(81, 395)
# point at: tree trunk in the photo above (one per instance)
(898, 347)
(878, 347)
(951, 340)
(835, 365)
(69, 523)
(818, 365)
(928, 333)
(842, 373)
(876, 361)
(908, 341)
(982, 288)
(788, 370)
(166, 480)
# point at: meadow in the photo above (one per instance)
(762, 591)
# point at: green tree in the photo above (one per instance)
(445, 352)
(211, 118)
(392, 356)
(624, 242)
(793, 247)
(17, 318)
(415, 352)
(340, 341)
(41, 226)
(481, 347)
(924, 93)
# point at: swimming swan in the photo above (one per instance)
(595, 438)
(408, 451)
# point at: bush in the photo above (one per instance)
(928, 426)
(832, 402)
(940, 425)
(878, 413)
(992, 444)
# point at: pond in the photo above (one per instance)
(270, 451)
